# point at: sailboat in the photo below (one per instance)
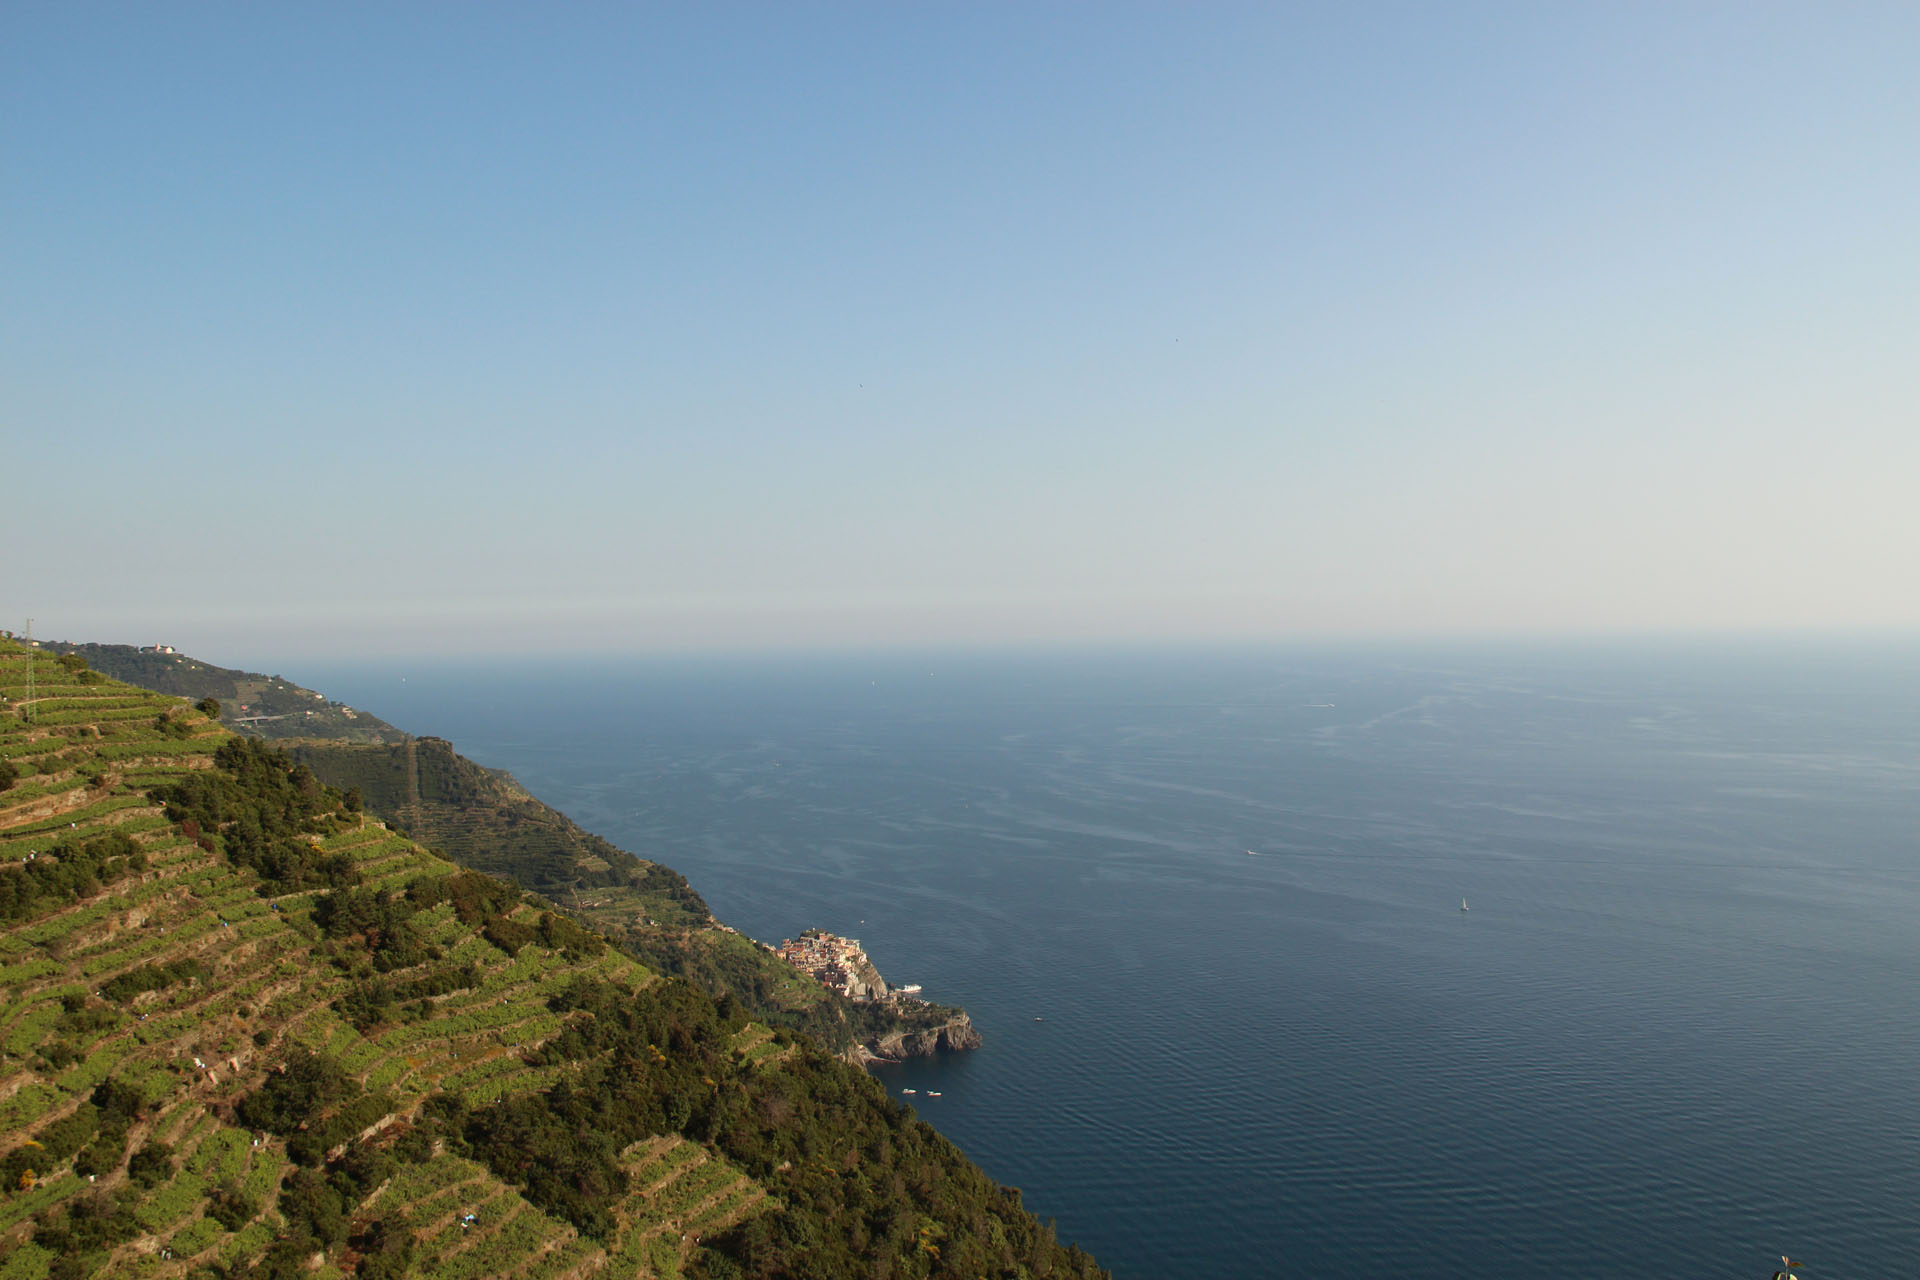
(1463, 904)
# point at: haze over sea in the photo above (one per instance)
(1675, 1034)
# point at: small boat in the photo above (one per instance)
(1252, 854)
(909, 1091)
(933, 1093)
(1463, 904)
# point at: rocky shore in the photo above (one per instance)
(954, 1034)
(917, 1030)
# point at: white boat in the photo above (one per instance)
(1463, 904)
(933, 1093)
(909, 1091)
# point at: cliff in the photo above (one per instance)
(950, 1035)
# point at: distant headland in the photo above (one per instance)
(841, 965)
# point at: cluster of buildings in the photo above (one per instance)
(834, 962)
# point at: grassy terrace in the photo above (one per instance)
(86, 1003)
(680, 1193)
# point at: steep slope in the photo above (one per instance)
(486, 821)
(250, 703)
(246, 1029)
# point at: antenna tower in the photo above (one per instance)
(27, 706)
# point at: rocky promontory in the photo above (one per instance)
(901, 1025)
(954, 1033)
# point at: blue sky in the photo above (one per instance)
(344, 329)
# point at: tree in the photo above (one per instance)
(151, 1164)
(210, 706)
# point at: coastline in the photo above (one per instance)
(955, 1035)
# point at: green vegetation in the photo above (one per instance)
(151, 977)
(72, 869)
(244, 1025)
(263, 813)
(482, 818)
(485, 820)
(254, 704)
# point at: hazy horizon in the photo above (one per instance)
(349, 330)
(315, 667)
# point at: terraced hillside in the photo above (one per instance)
(267, 706)
(247, 1030)
(486, 821)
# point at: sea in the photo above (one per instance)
(1494, 960)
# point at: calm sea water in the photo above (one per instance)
(1675, 1034)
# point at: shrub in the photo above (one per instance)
(79, 1233)
(151, 1165)
(152, 977)
(564, 935)
(171, 727)
(260, 804)
(76, 869)
(304, 1086)
(386, 1249)
(231, 1207)
(380, 919)
(507, 934)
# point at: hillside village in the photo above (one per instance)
(834, 962)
